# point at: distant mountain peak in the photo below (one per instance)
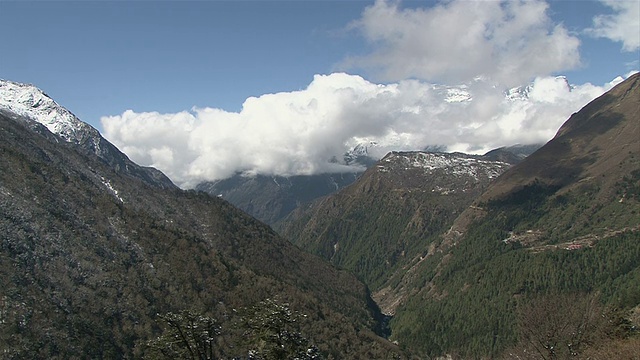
(523, 93)
(363, 148)
(361, 154)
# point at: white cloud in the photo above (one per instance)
(510, 42)
(622, 26)
(498, 44)
(299, 132)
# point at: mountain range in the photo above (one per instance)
(495, 256)
(391, 213)
(271, 199)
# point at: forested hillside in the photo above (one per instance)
(93, 262)
(385, 221)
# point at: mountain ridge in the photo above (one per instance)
(272, 198)
(34, 105)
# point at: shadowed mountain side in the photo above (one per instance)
(270, 198)
(90, 255)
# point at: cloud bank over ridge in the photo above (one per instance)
(300, 132)
(448, 71)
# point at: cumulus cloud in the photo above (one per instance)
(510, 42)
(622, 26)
(303, 132)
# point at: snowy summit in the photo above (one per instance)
(31, 102)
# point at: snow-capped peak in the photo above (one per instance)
(29, 101)
(362, 149)
(33, 105)
(524, 93)
(457, 94)
(360, 153)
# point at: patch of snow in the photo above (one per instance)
(455, 164)
(111, 189)
(456, 95)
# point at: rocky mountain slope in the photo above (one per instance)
(35, 106)
(384, 222)
(91, 255)
(592, 153)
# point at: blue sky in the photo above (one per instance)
(103, 57)
(193, 64)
